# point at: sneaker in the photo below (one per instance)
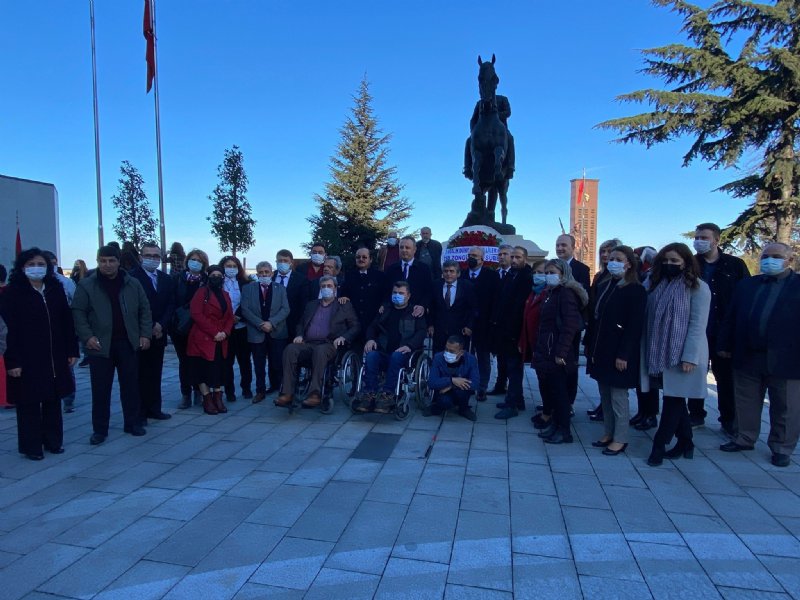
(365, 402)
(468, 413)
(384, 403)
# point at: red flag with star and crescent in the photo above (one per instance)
(150, 51)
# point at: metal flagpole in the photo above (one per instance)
(96, 132)
(163, 231)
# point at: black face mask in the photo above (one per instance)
(671, 271)
(215, 282)
(472, 262)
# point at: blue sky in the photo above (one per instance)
(277, 79)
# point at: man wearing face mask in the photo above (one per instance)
(486, 282)
(454, 378)
(312, 270)
(325, 326)
(295, 286)
(389, 254)
(160, 291)
(391, 338)
(721, 272)
(760, 334)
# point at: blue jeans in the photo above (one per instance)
(377, 361)
(454, 398)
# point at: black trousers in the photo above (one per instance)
(123, 358)
(502, 374)
(179, 342)
(151, 364)
(272, 350)
(647, 402)
(553, 387)
(674, 422)
(722, 368)
(39, 422)
(515, 371)
(238, 350)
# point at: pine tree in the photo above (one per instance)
(362, 201)
(135, 222)
(231, 218)
(736, 94)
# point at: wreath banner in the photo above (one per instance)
(457, 247)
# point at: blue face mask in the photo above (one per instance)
(150, 264)
(284, 268)
(265, 280)
(450, 357)
(35, 273)
(326, 293)
(539, 279)
(616, 267)
(772, 266)
(553, 279)
(195, 266)
(231, 272)
(398, 299)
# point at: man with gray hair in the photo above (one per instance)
(760, 333)
(265, 309)
(325, 326)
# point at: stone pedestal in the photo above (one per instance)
(488, 238)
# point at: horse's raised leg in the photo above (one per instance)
(476, 174)
(491, 203)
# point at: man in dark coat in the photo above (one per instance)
(486, 282)
(325, 326)
(760, 333)
(295, 285)
(429, 251)
(364, 286)
(507, 325)
(160, 291)
(312, 269)
(721, 272)
(454, 307)
(417, 274)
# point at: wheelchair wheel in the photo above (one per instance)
(348, 376)
(421, 374)
(403, 406)
(326, 407)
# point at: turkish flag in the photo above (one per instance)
(579, 199)
(150, 52)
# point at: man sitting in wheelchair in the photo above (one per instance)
(392, 338)
(454, 378)
(325, 326)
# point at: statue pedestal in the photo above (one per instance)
(488, 238)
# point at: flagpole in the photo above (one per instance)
(162, 227)
(96, 132)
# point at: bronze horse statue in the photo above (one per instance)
(488, 146)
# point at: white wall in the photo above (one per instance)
(37, 203)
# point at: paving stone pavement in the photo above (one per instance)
(261, 504)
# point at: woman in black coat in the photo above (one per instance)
(556, 353)
(613, 352)
(42, 347)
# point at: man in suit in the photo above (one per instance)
(160, 292)
(503, 270)
(294, 284)
(364, 287)
(417, 274)
(486, 283)
(325, 326)
(760, 334)
(429, 251)
(265, 308)
(565, 250)
(454, 307)
(507, 325)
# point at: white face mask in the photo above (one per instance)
(552, 279)
(231, 272)
(265, 280)
(326, 293)
(702, 246)
(35, 273)
(615, 267)
(150, 264)
(391, 242)
(450, 357)
(317, 259)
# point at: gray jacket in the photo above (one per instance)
(91, 310)
(695, 351)
(251, 312)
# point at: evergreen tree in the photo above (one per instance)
(735, 92)
(362, 201)
(231, 218)
(135, 222)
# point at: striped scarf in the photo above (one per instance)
(667, 324)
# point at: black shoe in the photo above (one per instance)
(34, 456)
(481, 397)
(559, 437)
(69, 408)
(610, 452)
(230, 397)
(595, 410)
(501, 404)
(656, 456)
(539, 408)
(597, 417)
(697, 421)
(685, 449)
(247, 395)
(781, 460)
(55, 450)
(84, 362)
(97, 438)
(538, 419)
(549, 430)
(635, 420)
(734, 447)
(602, 444)
(507, 413)
(647, 423)
(135, 430)
(468, 413)
(159, 416)
(496, 391)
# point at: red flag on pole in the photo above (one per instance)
(579, 198)
(150, 52)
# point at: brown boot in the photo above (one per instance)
(284, 400)
(313, 400)
(208, 404)
(218, 403)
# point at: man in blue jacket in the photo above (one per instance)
(454, 378)
(760, 334)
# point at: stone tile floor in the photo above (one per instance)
(260, 504)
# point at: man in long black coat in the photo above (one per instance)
(454, 307)
(417, 274)
(365, 288)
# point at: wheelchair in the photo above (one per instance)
(411, 385)
(341, 377)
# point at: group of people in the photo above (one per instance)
(648, 320)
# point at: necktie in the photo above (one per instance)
(405, 270)
(502, 273)
(474, 275)
(448, 297)
(263, 292)
(283, 280)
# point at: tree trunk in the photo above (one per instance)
(786, 215)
